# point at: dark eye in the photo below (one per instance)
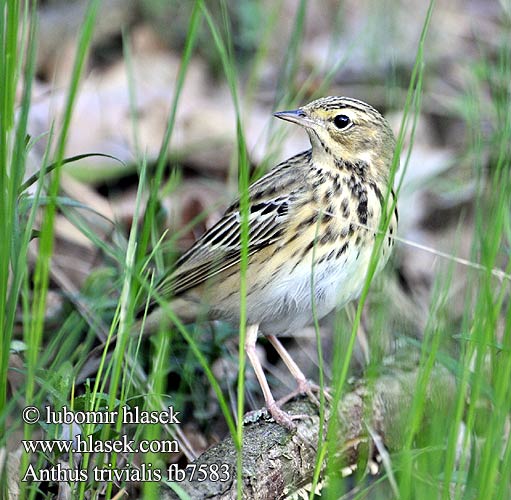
(342, 121)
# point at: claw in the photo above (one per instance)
(307, 388)
(284, 418)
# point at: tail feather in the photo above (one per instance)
(157, 318)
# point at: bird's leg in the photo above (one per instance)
(280, 416)
(304, 386)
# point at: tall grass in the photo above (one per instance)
(14, 237)
(461, 449)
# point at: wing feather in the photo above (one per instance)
(271, 202)
(220, 247)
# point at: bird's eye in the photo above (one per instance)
(342, 121)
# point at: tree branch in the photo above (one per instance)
(277, 462)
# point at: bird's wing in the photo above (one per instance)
(271, 201)
(220, 247)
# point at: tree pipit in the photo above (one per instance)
(312, 224)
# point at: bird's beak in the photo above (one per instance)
(295, 116)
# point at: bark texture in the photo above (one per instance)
(277, 463)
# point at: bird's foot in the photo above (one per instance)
(283, 417)
(308, 388)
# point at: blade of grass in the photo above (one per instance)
(414, 90)
(34, 178)
(12, 168)
(191, 38)
(243, 183)
(41, 273)
(322, 445)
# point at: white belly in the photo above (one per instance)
(287, 306)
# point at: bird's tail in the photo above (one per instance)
(157, 317)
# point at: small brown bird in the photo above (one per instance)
(312, 219)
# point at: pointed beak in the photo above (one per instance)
(295, 116)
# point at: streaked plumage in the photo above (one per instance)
(314, 214)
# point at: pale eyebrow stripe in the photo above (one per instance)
(334, 102)
(350, 103)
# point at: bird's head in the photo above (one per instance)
(346, 129)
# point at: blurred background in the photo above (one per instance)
(286, 53)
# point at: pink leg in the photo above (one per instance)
(304, 386)
(280, 416)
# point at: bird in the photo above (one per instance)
(312, 224)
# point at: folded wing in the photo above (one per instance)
(220, 247)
